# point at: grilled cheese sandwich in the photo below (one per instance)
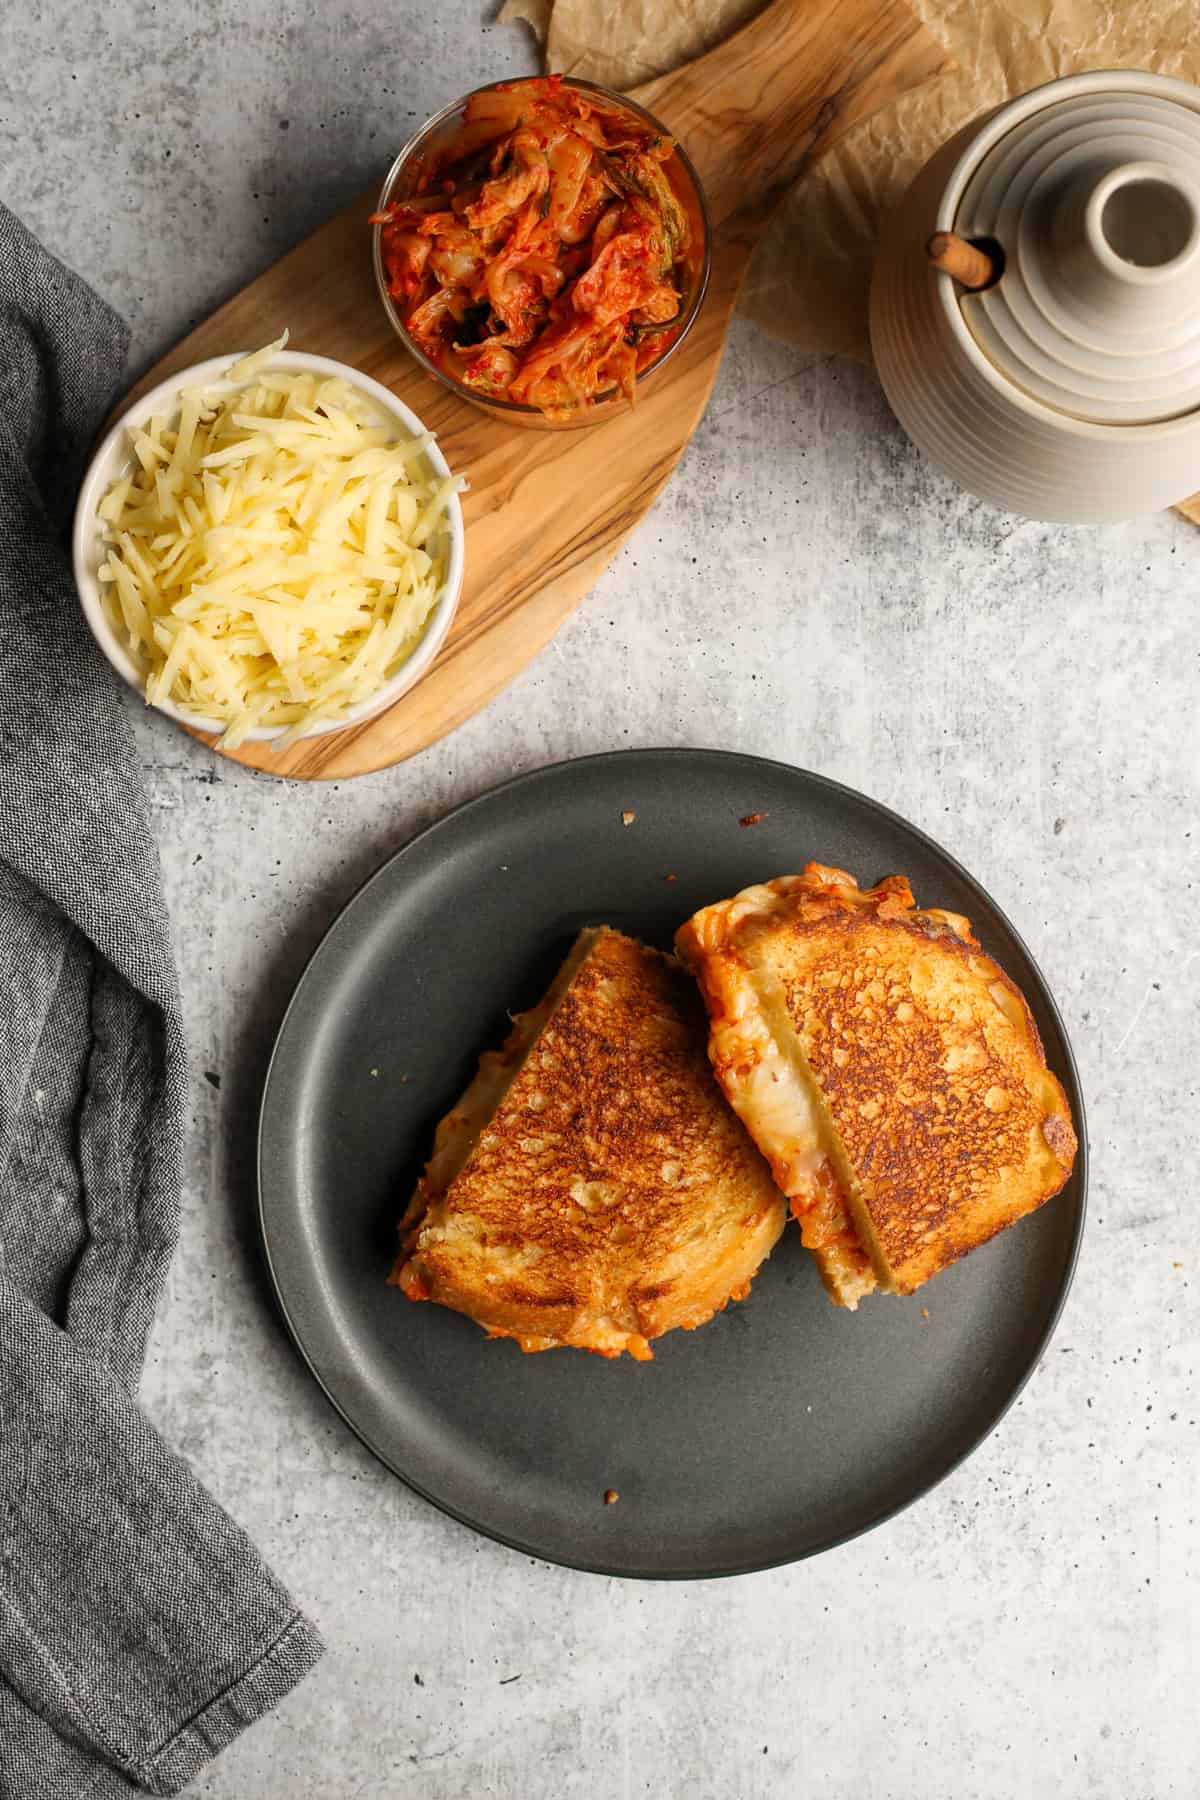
(888, 1069)
(592, 1186)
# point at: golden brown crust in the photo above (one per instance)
(940, 1121)
(610, 1196)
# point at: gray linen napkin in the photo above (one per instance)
(139, 1629)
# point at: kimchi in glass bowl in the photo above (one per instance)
(541, 247)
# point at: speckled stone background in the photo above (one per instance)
(809, 590)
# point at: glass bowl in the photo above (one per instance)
(440, 134)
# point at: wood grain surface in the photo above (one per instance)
(547, 510)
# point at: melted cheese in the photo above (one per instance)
(774, 1096)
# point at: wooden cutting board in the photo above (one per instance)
(547, 510)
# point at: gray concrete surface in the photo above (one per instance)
(806, 589)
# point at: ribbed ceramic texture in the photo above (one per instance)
(1014, 393)
(1072, 322)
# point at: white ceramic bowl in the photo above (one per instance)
(1071, 390)
(113, 460)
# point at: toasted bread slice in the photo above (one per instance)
(889, 1070)
(592, 1187)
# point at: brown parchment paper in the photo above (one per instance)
(809, 279)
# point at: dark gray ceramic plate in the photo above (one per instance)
(780, 1429)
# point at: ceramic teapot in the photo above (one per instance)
(1064, 381)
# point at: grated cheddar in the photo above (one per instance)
(274, 554)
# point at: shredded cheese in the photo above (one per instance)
(272, 556)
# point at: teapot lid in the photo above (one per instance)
(1094, 201)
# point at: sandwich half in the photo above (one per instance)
(592, 1187)
(888, 1069)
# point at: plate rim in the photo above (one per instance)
(1070, 1075)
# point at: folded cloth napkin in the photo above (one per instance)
(139, 1629)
